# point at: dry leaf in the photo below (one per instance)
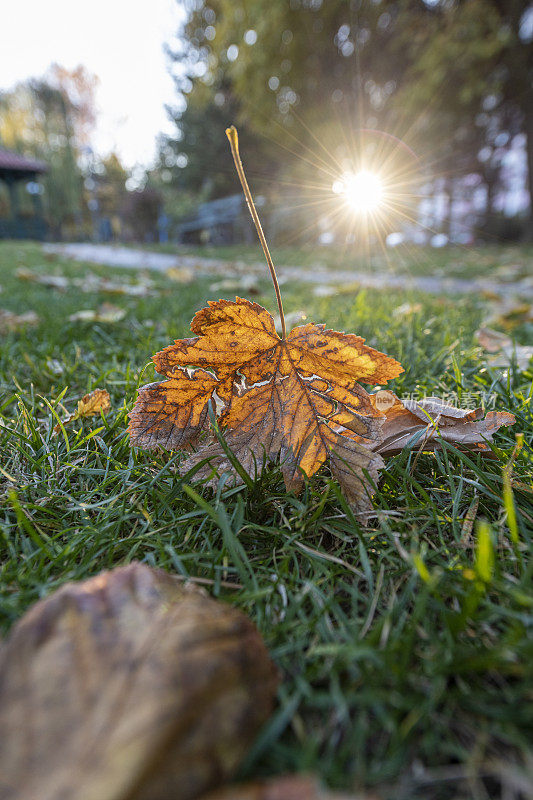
(180, 274)
(295, 400)
(129, 686)
(503, 350)
(105, 313)
(90, 405)
(93, 403)
(88, 283)
(508, 314)
(423, 424)
(129, 289)
(244, 283)
(288, 787)
(9, 321)
(93, 283)
(55, 366)
(53, 281)
(492, 340)
(522, 354)
(509, 272)
(325, 290)
(338, 289)
(407, 309)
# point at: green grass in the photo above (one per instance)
(405, 647)
(499, 262)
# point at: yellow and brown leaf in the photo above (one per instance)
(296, 400)
(172, 414)
(91, 405)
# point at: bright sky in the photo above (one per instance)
(121, 41)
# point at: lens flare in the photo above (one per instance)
(362, 191)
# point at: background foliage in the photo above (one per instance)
(451, 79)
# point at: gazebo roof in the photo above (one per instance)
(15, 163)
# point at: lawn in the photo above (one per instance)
(498, 262)
(406, 656)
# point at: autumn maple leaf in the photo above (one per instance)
(293, 399)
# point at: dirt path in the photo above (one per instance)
(131, 258)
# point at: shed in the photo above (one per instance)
(16, 170)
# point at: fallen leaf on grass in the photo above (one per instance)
(503, 350)
(53, 281)
(128, 289)
(94, 283)
(129, 686)
(502, 360)
(245, 283)
(339, 289)
(287, 787)
(487, 294)
(295, 400)
(424, 424)
(88, 283)
(407, 309)
(325, 290)
(107, 312)
(93, 404)
(55, 366)
(492, 340)
(508, 314)
(180, 274)
(509, 272)
(9, 321)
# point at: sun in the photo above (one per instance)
(362, 191)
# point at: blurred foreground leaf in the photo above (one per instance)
(10, 321)
(289, 787)
(129, 685)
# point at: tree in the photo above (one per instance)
(302, 79)
(197, 157)
(471, 78)
(451, 78)
(320, 59)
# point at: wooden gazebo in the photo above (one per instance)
(14, 171)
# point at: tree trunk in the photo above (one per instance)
(528, 230)
(490, 179)
(447, 222)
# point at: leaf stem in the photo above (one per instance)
(233, 137)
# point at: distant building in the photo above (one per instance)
(17, 172)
